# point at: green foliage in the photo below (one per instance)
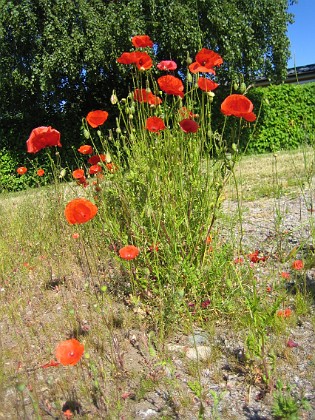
(287, 117)
(286, 406)
(9, 180)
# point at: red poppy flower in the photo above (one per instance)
(21, 170)
(285, 275)
(142, 95)
(208, 58)
(127, 58)
(93, 160)
(78, 173)
(239, 106)
(196, 67)
(155, 124)
(75, 235)
(129, 252)
(96, 118)
(86, 149)
(42, 137)
(189, 126)
(167, 65)
(69, 352)
(95, 169)
(171, 85)
(143, 61)
(67, 414)
(297, 265)
(80, 210)
(140, 41)
(40, 172)
(206, 84)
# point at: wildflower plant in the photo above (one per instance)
(164, 173)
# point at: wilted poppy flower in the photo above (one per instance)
(154, 247)
(238, 260)
(167, 65)
(86, 149)
(154, 124)
(297, 265)
(40, 172)
(186, 113)
(171, 85)
(21, 170)
(189, 126)
(93, 160)
(206, 84)
(42, 137)
(95, 169)
(284, 313)
(129, 252)
(142, 95)
(140, 41)
(80, 210)
(239, 106)
(291, 343)
(111, 167)
(96, 118)
(52, 363)
(255, 258)
(205, 303)
(69, 352)
(143, 61)
(78, 173)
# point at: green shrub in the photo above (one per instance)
(287, 117)
(9, 179)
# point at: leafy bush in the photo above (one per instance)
(287, 117)
(9, 179)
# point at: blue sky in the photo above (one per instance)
(302, 33)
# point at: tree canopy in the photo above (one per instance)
(58, 57)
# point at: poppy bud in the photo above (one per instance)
(99, 133)
(118, 130)
(130, 116)
(62, 173)
(242, 87)
(114, 98)
(86, 133)
(235, 85)
(189, 60)
(189, 78)
(234, 147)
